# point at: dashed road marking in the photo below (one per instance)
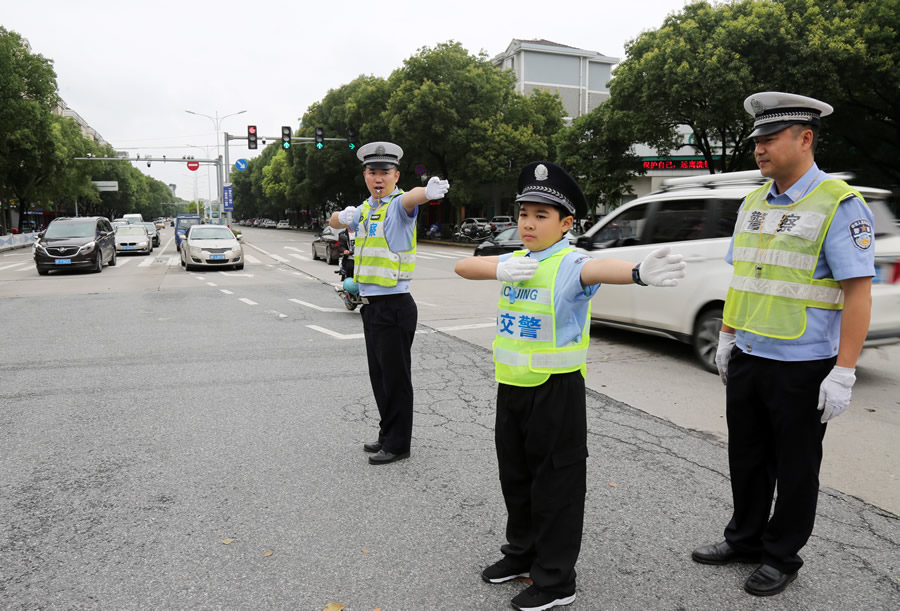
(226, 291)
(212, 284)
(247, 301)
(299, 256)
(335, 334)
(319, 308)
(15, 265)
(252, 259)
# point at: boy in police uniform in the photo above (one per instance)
(385, 252)
(540, 353)
(803, 252)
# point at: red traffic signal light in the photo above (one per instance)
(251, 136)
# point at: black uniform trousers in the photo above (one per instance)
(389, 324)
(541, 437)
(774, 442)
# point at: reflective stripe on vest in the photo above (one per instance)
(376, 263)
(776, 250)
(525, 350)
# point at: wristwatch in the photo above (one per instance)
(636, 275)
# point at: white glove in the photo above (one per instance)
(834, 392)
(436, 188)
(516, 269)
(659, 268)
(347, 215)
(723, 354)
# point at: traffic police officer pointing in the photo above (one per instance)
(795, 319)
(385, 226)
(540, 356)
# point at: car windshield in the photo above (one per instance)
(131, 230)
(508, 234)
(71, 230)
(211, 233)
(186, 222)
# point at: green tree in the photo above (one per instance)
(28, 93)
(598, 150)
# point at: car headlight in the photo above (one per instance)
(196, 251)
(236, 248)
(142, 244)
(87, 248)
(38, 247)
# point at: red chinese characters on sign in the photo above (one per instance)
(684, 164)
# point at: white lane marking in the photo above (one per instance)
(122, 262)
(247, 301)
(226, 291)
(233, 275)
(335, 334)
(257, 248)
(252, 259)
(280, 315)
(441, 255)
(173, 261)
(279, 258)
(299, 256)
(421, 256)
(292, 248)
(449, 255)
(150, 260)
(319, 308)
(15, 265)
(212, 284)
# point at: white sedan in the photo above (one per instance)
(133, 238)
(211, 246)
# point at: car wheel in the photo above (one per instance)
(42, 271)
(315, 256)
(705, 339)
(98, 266)
(178, 247)
(112, 260)
(329, 256)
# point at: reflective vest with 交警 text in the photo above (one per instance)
(375, 262)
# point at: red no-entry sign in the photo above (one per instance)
(193, 165)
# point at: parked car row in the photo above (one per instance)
(265, 223)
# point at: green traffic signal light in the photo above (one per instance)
(285, 137)
(352, 146)
(286, 144)
(320, 138)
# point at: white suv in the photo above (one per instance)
(695, 216)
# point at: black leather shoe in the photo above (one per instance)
(767, 580)
(721, 553)
(372, 447)
(383, 457)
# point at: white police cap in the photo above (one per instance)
(380, 155)
(774, 111)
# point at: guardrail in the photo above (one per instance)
(19, 240)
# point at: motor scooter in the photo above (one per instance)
(351, 298)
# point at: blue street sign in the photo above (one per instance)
(420, 169)
(240, 164)
(229, 202)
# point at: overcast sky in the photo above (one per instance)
(131, 69)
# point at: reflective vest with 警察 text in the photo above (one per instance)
(776, 251)
(376, 263)
(525, 350)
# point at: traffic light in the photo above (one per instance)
(320, 138)
(251, 136)
(352, 139)
(285, 136)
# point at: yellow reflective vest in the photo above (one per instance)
(776, 250)
(375, 262)
(525, 350)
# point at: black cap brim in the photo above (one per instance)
(540, 198)
(773, 128)
(381, 165)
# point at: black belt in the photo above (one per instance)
(374, 298)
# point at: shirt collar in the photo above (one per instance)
(372, 198)
(797, 190)
(550, 251)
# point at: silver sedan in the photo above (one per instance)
(211, 246)
(133, 238)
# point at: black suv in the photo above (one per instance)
(84, 242)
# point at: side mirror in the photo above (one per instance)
(584, 242)
(238, 237)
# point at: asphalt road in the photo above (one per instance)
(193, 440)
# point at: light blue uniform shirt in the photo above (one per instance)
(398, 231)
(840, 258)
(571, 299)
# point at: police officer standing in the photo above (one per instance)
(385, 258)
(795, 319)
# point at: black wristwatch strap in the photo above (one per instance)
(636, 275)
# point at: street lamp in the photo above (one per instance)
(217, 121)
